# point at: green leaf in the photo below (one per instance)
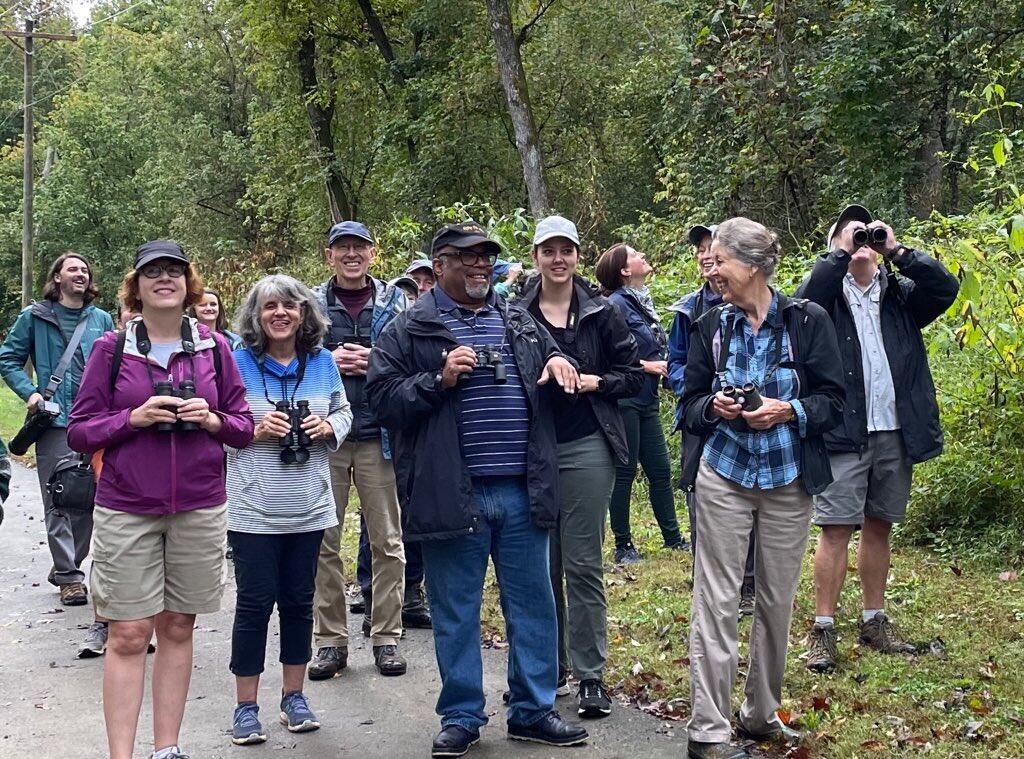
(999, 152)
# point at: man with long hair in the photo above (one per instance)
(41, 334)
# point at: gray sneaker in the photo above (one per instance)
(95, 641)
(823, 648)
(175, 753)
(627, 555)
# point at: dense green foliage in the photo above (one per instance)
(198, 120)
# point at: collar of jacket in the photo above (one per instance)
(201, 336)
(387, 300)
(685, 304)
(785, 304)
(43, 309)
(589, 299)
(424, 318)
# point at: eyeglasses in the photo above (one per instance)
(471, 258)
(155, 271)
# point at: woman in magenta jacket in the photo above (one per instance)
(160, 517)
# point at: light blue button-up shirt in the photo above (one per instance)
(879, 392)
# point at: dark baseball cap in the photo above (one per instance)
(851, 212)
(155, 249)
(349, 229)
(699, 231)
(464, 234)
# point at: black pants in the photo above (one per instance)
(273, 569)
(364, 564)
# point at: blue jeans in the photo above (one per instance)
(455, 570)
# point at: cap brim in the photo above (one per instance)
(156, 255)
(543, 238)
(334, 238)
(418, 267)
(468, 242)
(697, 233)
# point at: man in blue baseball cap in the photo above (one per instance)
(357, 307)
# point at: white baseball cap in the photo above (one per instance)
(555, 226)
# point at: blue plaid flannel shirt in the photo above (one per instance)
(770, 458)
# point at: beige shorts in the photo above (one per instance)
(144, 564)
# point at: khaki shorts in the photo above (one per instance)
(144, 564)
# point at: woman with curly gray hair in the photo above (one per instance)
(279, 491)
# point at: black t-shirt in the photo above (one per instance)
(574, 416)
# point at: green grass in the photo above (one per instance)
(12, 415)
(875, 705)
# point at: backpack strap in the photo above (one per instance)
(115, 363)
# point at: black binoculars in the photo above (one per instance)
(747, 396)
(186, 390)
(295, 445)
(489, 355)
(865, 236)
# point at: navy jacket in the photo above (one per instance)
(405, 395)
(908, 303)
(650, 340)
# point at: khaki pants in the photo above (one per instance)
(726, 511)
(362, 463)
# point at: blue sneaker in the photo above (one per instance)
(296, 714)
(246, 728)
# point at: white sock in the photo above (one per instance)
(166, 752)
(868, 614)
(825, 621)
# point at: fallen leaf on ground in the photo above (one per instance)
(873, 745)
(972, 731)
(956, 570)
(1009, 576)
(637, 668)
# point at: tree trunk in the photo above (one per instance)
(321, 117)
(513, 80)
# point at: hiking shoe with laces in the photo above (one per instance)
(95, 641)
(594, 700)
(627, 554)
(389, 662)
(680, 545)
(328, 662)
(296, 714)
(74, 594)
(747, 599)
(697, 750)
(550, 730)
(822, 644)
(246, 728)
(881, 634)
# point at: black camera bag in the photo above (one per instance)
(72, 486)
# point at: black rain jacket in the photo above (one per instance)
(404, 392)
(815, 357)
(907, 304)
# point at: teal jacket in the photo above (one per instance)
(36, 335)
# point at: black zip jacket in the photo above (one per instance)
(405, 394)
(605, 347)
(907, 304)
(812, 340)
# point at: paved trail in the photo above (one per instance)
(51, 701)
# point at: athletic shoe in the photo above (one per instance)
(74, 594)
(328, 662)
(680, 545)
(95, 641)
(173, 753)
(561, 689)
(627, 555)
(453, 740)
(822, 648)
(696, 750)
(747, 597)
(550, 729)
(296, 714)
(246, 728)
(594, 700)
(881, 634)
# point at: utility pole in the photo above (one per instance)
(27, 247)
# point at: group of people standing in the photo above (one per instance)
(479, 428)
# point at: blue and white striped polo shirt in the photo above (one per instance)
(494, 419)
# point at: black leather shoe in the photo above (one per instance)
(328, 662)
(389, 662)
(359, 605)
(453, 741)
(551, 729)
(417, 619)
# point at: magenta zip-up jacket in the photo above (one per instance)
(146, 471)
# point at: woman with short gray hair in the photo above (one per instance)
(763, 383)
(279, 491)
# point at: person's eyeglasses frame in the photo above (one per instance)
(155, 271)
(472, 257)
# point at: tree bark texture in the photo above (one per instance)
(513, 80)
(321, 118)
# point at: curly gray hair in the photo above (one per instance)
(247, 320)
(751, 243)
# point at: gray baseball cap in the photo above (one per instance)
(420, 263)
(853, 211)
(555, 226)
(699, 231)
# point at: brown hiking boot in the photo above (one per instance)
(74, 594)
(881, 634)
(822, 648)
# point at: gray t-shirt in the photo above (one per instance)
(162, 352)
